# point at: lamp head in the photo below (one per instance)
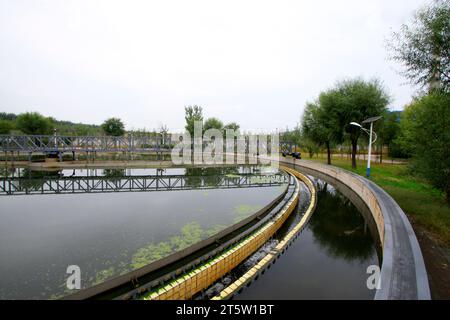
(355, 124)
(372, 119)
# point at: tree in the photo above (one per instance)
(164, 131)
(7, 116)
(290, 139)
(388, 132)
(232, 126)
(391, 127)
(212, 123)
(352, 100)
(423, 48)
(425, 133)
(311, 147)
(192, 114)
(34, 123)
(291, 136)
(317, 126)
(113, 127)
(5, 126)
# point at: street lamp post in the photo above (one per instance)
(369, 132)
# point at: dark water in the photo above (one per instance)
(108, 234)
(327, 261)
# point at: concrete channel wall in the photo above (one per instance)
(403, 273)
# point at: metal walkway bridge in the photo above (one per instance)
(103, 184)
(56, 143)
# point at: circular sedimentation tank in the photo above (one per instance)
(211, 233)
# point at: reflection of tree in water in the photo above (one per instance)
(210, 176)
(114, 175)
(35, 179)
(40, 174)
(339, 227)
(6, 171)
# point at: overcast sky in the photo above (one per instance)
(253, 62)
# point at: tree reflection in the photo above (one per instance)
(35, 179)
(209, 176)
(114, 175)
(6, 172)
(339, 227)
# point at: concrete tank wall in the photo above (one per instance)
(403, 273)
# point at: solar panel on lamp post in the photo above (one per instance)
(369, 132)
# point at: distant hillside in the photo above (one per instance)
(63, 127)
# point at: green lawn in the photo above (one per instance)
(420, 201)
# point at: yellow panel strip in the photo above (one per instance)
(233, 288)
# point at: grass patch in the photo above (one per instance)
(190, 234)
(424, 204)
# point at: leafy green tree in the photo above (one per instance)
(5, 126)
(292, 136)
(423, 47)
(212, 123)
(163, 132)
(352, 100)
(192, 114)
(310, 146)
(317, 126)
(390, 128)
(63, 127)
(425, 133)
(233, 126)
(7, 116)
(113, 127)
(290, 139)
(34, 123)
(388, 131)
